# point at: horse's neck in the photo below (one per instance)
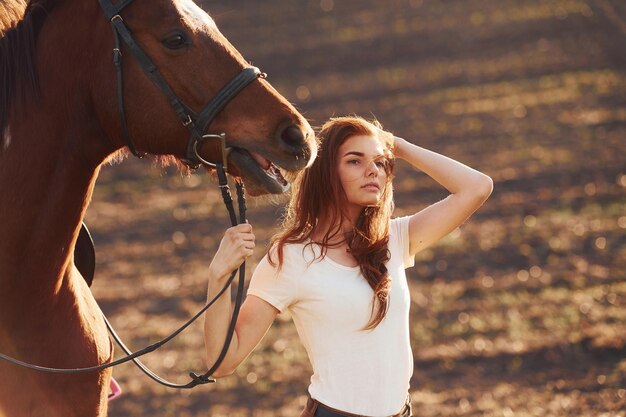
(46, 184)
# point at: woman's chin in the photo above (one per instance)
(372, 202)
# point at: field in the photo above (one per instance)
(520, 312)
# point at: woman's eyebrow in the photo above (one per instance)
(354, 153)
(361, 154)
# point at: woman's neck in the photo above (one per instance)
(337, 232)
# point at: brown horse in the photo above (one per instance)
(59, 122)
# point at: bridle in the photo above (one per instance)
(197, 124)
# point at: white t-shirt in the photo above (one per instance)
(359, 371)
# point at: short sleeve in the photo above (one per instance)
(400, 235)
(275, 286)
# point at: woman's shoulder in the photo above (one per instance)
(398, 224)
(399, 240)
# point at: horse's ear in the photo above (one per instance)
(85, 255)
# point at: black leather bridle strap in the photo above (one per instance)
(117, 62)
(111, 12)
(111, 9)
(120, 29)
(216, 105)
(226, 94)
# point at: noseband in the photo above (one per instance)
(197, 124)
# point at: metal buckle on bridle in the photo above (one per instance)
(224, 151)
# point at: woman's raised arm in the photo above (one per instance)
(469, 189)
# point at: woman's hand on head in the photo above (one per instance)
(236, 246)
(399, 145)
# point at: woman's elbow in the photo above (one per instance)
(486, 186)
(482, 188)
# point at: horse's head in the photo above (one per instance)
(263, 130)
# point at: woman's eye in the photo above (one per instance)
(175, 41)
(353, 161)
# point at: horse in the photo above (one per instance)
(64, 112)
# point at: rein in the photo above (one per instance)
(196, 379)
(206, 377)
(197, 124)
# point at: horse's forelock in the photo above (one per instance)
(20, 23)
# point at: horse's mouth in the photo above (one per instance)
(259, 174)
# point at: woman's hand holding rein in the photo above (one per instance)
(255, 316)
(236, 246)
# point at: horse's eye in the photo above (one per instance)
(175, 41)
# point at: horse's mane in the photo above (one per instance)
(11, 12)
(19, 26)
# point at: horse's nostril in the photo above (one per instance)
(292, 136)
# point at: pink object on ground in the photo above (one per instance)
(115, 388)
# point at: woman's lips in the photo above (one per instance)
(371, 186)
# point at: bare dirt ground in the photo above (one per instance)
(521, 312)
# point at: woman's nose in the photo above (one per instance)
(372, 169)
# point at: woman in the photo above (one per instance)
(338, 266)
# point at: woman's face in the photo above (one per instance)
(361, 166)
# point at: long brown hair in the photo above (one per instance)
(317, 196)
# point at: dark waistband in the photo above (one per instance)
(318, 409)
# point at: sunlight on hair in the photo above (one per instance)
(10, 13)
(117, 157)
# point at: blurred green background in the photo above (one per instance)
(520, 312)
